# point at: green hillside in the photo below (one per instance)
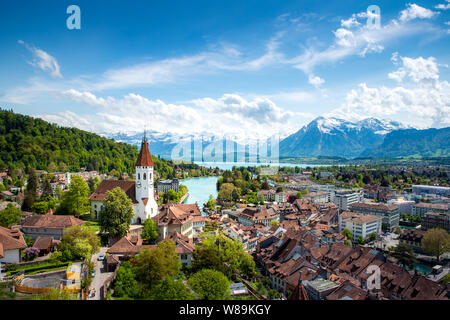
(413, 143)
(31, 142)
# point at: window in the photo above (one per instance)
(139, 176)
(145, 176)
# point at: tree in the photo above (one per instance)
(211, 204)
(154, 265)
(373, 236)
(274, 223)
(360, 240)
(93, 184)
(10, 215)
(116, 214)
(226, 191)
(223, 254)
(52, 167)
(404, 254)
(78, 242)
(46, 188)
(210, 284)
(150, 230)
(398, 230)
(125, 284)
(347, 233)
(30, 192)
(76, 200)
(446, 279)
(171, 289)
(436, 242)
(348, 242)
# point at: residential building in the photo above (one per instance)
(361, 225)
(268, 195)
(438, 190)
(343, 198)
(11, 245)
(388, 212)
(166, 185)
(48, 225)
(421, 208)
(264, 215)
(317, 197)
(412, 238)
(436, 220)
(176, 218)
(319, 288)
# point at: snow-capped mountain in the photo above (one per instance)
(337, 137)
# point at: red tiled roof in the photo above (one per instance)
(51, 222)
(144, 158)
(107, 185)
(11, 239)
(43, 243)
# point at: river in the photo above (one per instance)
(199, 189)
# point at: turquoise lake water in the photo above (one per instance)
(199, 189)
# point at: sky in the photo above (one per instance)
(233, 68)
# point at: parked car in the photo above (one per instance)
(101, 257)
(93, 273)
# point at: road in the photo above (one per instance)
(100, 275)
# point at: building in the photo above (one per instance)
(343, 198)
(166, 185)
(404, 206)
(421, 208)
(412, 238)
(281, 197)
(184, 248)
(262, 215)
(141, 191)
(11, 245)
(320, 288)
(361, 225)
(317, 197)
(388, 212)
(424, 189)
(48, 225)
(268, 195)
(436, 220)
(176, 218)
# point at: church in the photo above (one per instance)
(141, 191)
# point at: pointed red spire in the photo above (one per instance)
(144, 158)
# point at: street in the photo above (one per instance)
(100, 275)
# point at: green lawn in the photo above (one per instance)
(93, 225)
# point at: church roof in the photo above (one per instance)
(144, 158)
(107, 185)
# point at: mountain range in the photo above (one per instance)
(332, 137)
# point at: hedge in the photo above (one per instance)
(32, 269)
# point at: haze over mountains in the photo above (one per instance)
(333, 137)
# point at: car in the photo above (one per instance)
(93, 273)
(101, 257)
(92, 294)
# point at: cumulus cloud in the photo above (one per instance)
(43, 60)
(443, 6)
(421, 98)
(229, 115)
(315, 80)
(414, 11)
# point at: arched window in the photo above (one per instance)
(139, 176)
(145, 176)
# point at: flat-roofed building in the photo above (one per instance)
(421, 208)
(344, 198)
(389, 212)
(424, 189)
(166, 185)
(361, 225)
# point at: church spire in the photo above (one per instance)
(144, 158)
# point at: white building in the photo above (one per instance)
(360, 224)
(343, 198)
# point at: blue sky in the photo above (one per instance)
(239, 68)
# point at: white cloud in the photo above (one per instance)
(413, 11)
(315, 80)
(350, 22)
(230, 115)
(422, 100)
(442, 6)
(43, 60)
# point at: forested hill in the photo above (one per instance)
(31, 142)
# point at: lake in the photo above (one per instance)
(199, 189)
(229, 165)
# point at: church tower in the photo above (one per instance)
(147, 207)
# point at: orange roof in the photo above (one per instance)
(11, 239)
(144, 158)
